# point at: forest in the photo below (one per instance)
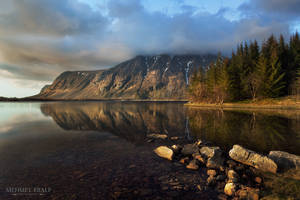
(254, 72)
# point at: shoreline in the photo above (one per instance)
(236, 174)
(265, 104)
(246, 106)
(91, 100)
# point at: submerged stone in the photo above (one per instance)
(157, 136)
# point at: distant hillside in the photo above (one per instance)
(9, 99)
(143, 77)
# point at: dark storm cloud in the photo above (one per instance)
(41, 38)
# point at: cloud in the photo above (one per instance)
(40, 39)
(50, 17)
(280, 10)
(287, 7)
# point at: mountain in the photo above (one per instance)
(143, 77)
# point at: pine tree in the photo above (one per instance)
(251, 72)
(223, 82)
(294, 59)
(260, 78)
(269, 77)
(197, 88)
(234, 79)
(276, 82)
(284, 60)
(253, 79)
(297, 86)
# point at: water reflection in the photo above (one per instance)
(132, 121)
(94, 150)
(260, 130)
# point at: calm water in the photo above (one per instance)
(98, 150)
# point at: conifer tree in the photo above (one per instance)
(251, 72)
(260, 78)
(284, 60)
(275, 82)
(294, 59)
(197, 88)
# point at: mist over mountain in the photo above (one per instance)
(143, 77)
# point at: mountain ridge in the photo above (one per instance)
(142, 77)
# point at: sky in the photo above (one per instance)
(39, 39)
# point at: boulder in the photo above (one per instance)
(284, 160)
(176, 148)
(210, 151)
(184, 160)
(214, 156)
(157, 136)
(198, 157)
(231, 174)
(164, 152)
(189, 149)
(192, 165)
(199, 142)
(230, 189)
(211, 181)
(258, 180)
(211, 172)
(215, 162)
(174, 138)
(248, 157)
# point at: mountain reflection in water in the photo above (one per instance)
(132, 121)
(260, 130)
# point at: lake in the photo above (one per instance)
(100, 150)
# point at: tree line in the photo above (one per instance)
(253, 72)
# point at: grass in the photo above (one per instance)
(289, 102)
(279, 187)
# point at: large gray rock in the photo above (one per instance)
(189, 149)
(252, 158)
(284, 160)
(214, 156)
(164, 152)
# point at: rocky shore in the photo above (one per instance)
(238, 174)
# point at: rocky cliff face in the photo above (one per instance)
(143, 77)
